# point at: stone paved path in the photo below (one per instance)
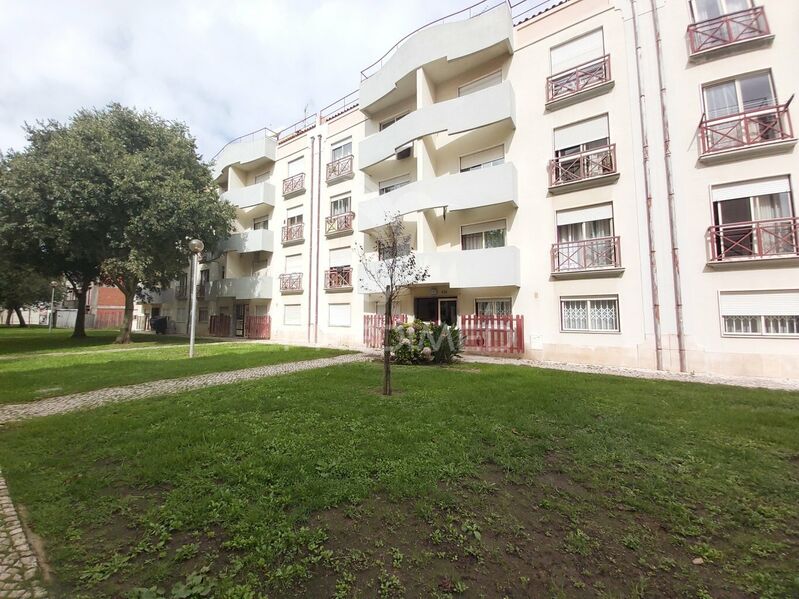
(19, 568)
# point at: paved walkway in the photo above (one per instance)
(19, 568)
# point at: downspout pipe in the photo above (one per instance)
(310, 251)
(653, 269)
(318, 219)
(675, 249)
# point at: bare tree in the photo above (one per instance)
(390, 272)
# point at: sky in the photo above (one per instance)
(224, 67)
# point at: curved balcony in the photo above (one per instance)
(243, 288)
(479, 32)
(252, 195)
(258, 240)
(462, 191)
(729, 32)
(751, 242)
(486, 107)
(248, 151)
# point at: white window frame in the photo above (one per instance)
(482, 165)
(385, 124)
(338, 146)
(603, 52)
(736, 80)
(299, 315)
(341, 198)
(494, 300)
(286, 263)
(471, 83)
(759, 318)
(724, 11)
(588, 299)
(406, 180)
(294, 216)
(261, 220)
(483, 232)
(349, 316)
(292, 165)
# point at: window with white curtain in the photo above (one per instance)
(295, 167)
(705, 10)
(585, 238)
(480, 84)
(294, 216)
(340, 205)
(390, 185)
(576, 52)
(742, 94)
(292, 314)
(590, 314)
(483, 235)
(483, 159)
(501, 306)
(760, 313)
(338, 315)
(341, 150)
(260, 223)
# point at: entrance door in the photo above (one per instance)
(426, 309)
(241, 316)
(448, 311)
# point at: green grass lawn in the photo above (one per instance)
(15, 340)
(39, 375)
(472, 481)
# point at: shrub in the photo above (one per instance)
(422, 342)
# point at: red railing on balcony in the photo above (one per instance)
(374, 328)
(219, 325)
(728, 29)
(754, 239)
(583, 166)
(579, 79)
(293, 233)
(291, 281)
(587, 254)
(340, 223)
(749, 128)
(258, 327)
(339, 278)
(338, 169)
(295, 184)
(503, 334)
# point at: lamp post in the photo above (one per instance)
(195, 247)
(53, 285)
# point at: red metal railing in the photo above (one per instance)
(502, 334)
(339, 278)
(339, 223)
(219, 325)
(754, 239)
(295, 184)
(587, 254)
(339, 168)
(579, 79)
(258, 327)
(374, 328)
(292, 233)
(583, 166)
(728, 29)
(291, 281)
(748, 128)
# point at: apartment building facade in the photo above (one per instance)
(605, 182)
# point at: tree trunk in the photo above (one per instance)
(9, 312)
(18, 310)
(80, 317)
(387, 346)
(127, 321)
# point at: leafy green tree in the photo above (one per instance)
(20, 287)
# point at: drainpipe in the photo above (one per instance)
(653, 271)
(318, 219)
(310, 250)
(675, 250)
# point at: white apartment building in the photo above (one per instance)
(604, 182)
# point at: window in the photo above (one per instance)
(340, 258)
(338, 315)
(582, 137)
(202, 315)
(388, 122)
(594, 314)
(263, 177)
(295, 167)
(341, 150)
(181, 314)
(294, 216)
(260, 223)
(339, 206)
(183, 281)
(403, 249)
(395, 183)
(576, 52)
(760, 313)
(705, 10)
(205, 276)
(293, 263)
(292, 314)
(483, 159)
(582, 151)
(744, 94)
(493, 307)
(480, 84)
(483, 235)
(585, 238)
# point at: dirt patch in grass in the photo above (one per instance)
(491, 536)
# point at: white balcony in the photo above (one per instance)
(164, 296)
(252, 195)
(463, 269)
(258, 240)
(244, 288)
(468, 38)
(486, 107)
(461, 191)
(248, 152)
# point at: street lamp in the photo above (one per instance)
(195, 247)
(53, 285)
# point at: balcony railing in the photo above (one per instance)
(587, 254)
(340, 169)
(583, 166)
(579, 79)
(749, 128)
(293, 233)
(294, 185)
(777, 237)
(338, 278)
(340, 223)
(291, 282)
(728, 29)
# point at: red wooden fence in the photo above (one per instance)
(109, 319)
(219, 325)
(258, 327)
(373, 328)
(502, 334)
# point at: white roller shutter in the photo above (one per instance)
(749, 189)
(295, 166)
(759, 303)
(480, 227)
(294, 211)
(480, 84)
(292, 314)
(582, 132)
(483, 157)
(577, 51)
(585, 215)
(340, 257)
(338, 315)
(294, 263)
